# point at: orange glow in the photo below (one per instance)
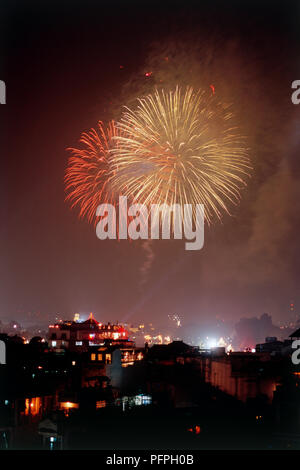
(100, 404)
(32, 406)
(66, 406)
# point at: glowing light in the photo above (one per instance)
(197, 429)
(67, 406)
(100, 404)
(212, 343)
(32, 406)
(221, 343)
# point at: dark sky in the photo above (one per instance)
(61, 64)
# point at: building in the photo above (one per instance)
(244, 375)
(78, 336)
(295, 335)
(172, 353)
(275, 347)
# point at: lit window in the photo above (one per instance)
(93, 357)
(100, 404)
(32, 406)
(78, 343)
(100, 357)
(108, 358)
(54, 343)
(66, 406)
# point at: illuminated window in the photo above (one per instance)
(54, 343)
(93, 357)
(67, 405)
(100, 357)
(108, 358)
(101, 404)
(32, 406)
(78, 343)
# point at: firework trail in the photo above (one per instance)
(148, 261)
(180, 147)
(88, 175)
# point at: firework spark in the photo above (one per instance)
(88, 175)
(180, 147)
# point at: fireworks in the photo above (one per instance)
(180, 148)
(88, 173)
(177, 147)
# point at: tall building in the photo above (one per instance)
(76, 336)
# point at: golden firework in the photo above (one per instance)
(180, 147)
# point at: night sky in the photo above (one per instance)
(61, 65)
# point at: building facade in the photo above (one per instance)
(78, 336)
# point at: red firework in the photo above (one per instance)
(88, 174)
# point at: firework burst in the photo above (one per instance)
(88, 175)
(180, 147)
